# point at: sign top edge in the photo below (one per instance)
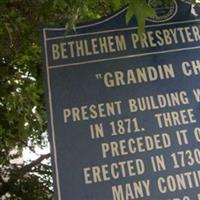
(86, 24)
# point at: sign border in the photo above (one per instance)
(48, 68)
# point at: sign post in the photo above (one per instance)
(124, 111)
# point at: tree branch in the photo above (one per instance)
(19, 173)
(27, 168)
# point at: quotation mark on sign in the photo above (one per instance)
(99, 76)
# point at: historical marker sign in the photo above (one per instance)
(124, 112)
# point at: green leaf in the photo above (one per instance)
(141, 10)
(116, 4)
(129, 14)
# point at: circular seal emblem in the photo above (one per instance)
(163, 12)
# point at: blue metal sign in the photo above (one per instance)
(124, 111)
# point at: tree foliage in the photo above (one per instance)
(23, 120)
